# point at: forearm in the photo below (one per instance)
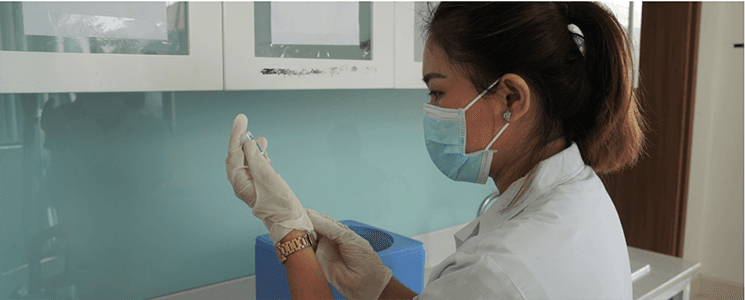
(397, 290)
(304, 274)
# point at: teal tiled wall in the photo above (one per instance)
(150, 207)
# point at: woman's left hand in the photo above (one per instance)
(255, 182)
(348, 261)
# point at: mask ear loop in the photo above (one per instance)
(481, 95)
(506, 117)
(506, 114)
(497, 136)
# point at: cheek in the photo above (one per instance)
(479, 128)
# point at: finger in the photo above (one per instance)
(328, 256)
(253, 156)
(235, 159)
(258, 163)
(263, 143)
(235, 162)
(240, 123)
(240, 179)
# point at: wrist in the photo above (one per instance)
(297, 233)
(291, 235)
(293, 243)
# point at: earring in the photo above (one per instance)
(507, 115)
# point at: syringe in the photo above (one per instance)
(249, 136)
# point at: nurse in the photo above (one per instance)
(537, 96)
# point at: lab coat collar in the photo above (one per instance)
(551, 173)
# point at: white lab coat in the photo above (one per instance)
(562, 241)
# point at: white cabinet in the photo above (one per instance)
(227, 50)
(255, 61)
(230, 47)
(24, 71)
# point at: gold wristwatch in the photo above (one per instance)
(294, 245)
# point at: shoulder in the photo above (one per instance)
(573, 226)
(575, 200)
(572, 214)
(584, 185)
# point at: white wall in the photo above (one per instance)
(714, 221)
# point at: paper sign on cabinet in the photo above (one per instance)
(135, 20)
(315, 23)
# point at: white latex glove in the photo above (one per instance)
(348, 261)
(255, 182)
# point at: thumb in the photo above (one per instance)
(326, 226)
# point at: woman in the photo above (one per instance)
(515, 96)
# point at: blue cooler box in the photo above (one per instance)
(403, 255)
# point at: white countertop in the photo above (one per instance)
(664, 271)
(241, 288)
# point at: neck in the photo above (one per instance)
(515, 164)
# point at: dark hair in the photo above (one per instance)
(587, 98)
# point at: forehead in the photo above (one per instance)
(434, 60)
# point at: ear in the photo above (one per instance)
(513, 92)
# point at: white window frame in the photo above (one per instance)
(408, 72)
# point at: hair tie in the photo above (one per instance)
(578, 37)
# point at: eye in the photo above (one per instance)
(434, 96)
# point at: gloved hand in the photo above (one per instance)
(348, 261)
(255, 182)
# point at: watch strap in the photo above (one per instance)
(294, 245)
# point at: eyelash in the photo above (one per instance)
(434, 93)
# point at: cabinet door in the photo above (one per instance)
(110, 46)
(280, 45)
(409, 44)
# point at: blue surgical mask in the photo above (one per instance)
(445, 137)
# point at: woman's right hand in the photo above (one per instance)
(348, 261)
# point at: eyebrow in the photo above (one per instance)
(429, 77)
